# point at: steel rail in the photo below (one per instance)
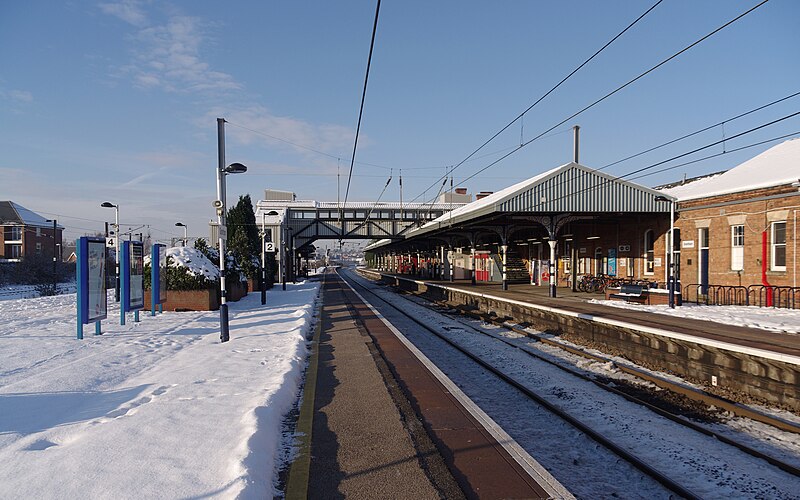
(629, 457)
(791, 469)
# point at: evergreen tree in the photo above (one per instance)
(243, 238)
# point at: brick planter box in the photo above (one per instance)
(197, 300)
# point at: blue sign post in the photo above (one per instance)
(131, 266)
(158, 278)
(91, 280)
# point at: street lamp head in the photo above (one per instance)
(106, 204)
(235, 168)
(180, 224)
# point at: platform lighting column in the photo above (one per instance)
(671, 253)
(504, 249)
(472, 255)
(263, 258)
(553, 278)
(450, 264)
(55, 271)
(220, 204)
(185, 232)
(106, 204)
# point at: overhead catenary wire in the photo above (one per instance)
(363, 98)
(725, 152)
(699, 131)
(605, 182)
(544, 96)
(691, 134)
(619, 88)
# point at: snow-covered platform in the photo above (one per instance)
(154, 409)
(755, 355)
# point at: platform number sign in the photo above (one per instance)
(269, 247)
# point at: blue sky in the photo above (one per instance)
(118, 101)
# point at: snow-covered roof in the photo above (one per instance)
(490, 200)
(774, 167)
(14, 213)
(568, 188)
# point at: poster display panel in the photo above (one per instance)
(162, 273)
(93, 288)
(136, 283)
(612, 261)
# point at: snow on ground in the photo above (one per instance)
(765, 318)
(12, 292)
(155, 409)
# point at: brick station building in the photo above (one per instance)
(739, 227)
(734, 229)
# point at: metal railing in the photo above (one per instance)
(785, 297)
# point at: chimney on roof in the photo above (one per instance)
(576, 134)
(483, 194)
(461, 190)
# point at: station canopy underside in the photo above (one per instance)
(571, 195)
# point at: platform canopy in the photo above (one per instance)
(568, 192)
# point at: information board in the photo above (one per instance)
(92, 288)
(162, 273)
(612, 261)
(136, 276)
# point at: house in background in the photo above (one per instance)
(24, 233)
(739, 227)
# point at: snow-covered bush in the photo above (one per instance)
(187, 269)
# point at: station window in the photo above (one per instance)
(737, 248)
(649, 252)
(778, 246)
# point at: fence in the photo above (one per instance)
(754, 295)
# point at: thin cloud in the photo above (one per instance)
(297, 135)
(20, 96)
(128, 10)
(168, 56)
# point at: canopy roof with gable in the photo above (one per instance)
(569, 190)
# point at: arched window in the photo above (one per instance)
(649, 253)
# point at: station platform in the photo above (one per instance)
(383, 426)
(747, 364)
(580, 302)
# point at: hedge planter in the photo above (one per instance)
(197, 300)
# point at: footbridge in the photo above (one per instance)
(293, 225)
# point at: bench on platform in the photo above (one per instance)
(632, 293)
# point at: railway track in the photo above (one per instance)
(599, 437)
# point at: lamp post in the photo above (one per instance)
(185, 232)
(55, 277)
(263, 284)
(106, 204)
(671, 268)
(219, 204)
